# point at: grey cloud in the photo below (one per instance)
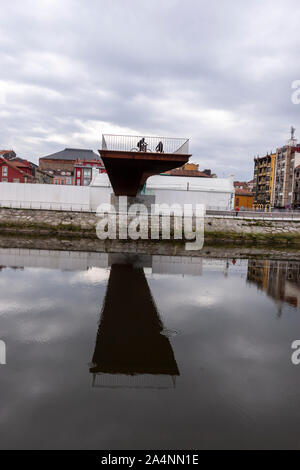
(218, 72)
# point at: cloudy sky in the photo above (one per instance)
(219, 72)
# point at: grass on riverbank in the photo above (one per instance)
(213, 237)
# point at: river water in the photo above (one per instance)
(147, 352)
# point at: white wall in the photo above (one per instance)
(45, 196)
(215, 193)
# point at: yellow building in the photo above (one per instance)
(263, 184)
(272, 174)
(243, 199)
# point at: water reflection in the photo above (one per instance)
(278, 279)
(131, 349)
(237, 387)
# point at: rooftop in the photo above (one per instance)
(243, 192)
(73, 154)
(16, 166)
(194, 173)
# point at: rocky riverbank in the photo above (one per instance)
(168, 248)
(223, 231)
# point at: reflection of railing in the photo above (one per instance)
(158, 381)
(129, 143)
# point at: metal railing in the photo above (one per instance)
(129, 143)
(252, 214)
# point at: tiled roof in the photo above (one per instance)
(16, 167)
(243, 192)
(73, 154)
(194, 173)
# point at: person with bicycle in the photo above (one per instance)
(142, 145)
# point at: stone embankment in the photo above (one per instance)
(218, 229)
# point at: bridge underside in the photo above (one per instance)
(128, 171)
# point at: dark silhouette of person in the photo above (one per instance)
(159, 147)
(142, 145)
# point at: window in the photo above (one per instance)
(4, 171)
(68, 181)
(87, 176)
(4, 180)
(16, 180)
(78, 182)
(78, 173)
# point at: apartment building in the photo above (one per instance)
(263, 181)
(287, 160)
(296, 190)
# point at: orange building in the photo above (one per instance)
(243, 199)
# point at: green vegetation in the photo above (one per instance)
(253, 238)
(44, 228)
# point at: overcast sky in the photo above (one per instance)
(219, 72)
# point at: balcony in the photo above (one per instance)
(129, 160)
(129, 143)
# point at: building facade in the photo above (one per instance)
(83, 171)
(287, 159)
(263, 181)
(15, 172)
(243, 199)
(65, 159)
(65, 177)
(296, 190)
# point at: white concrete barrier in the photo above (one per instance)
(212, 192)
(46, 196)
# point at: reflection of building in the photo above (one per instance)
(279, 279)
(131, 347)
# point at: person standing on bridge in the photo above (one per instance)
(160, 147)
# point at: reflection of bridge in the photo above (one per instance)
(131, 349)
(81, 260)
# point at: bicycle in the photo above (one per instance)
(135, 149)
